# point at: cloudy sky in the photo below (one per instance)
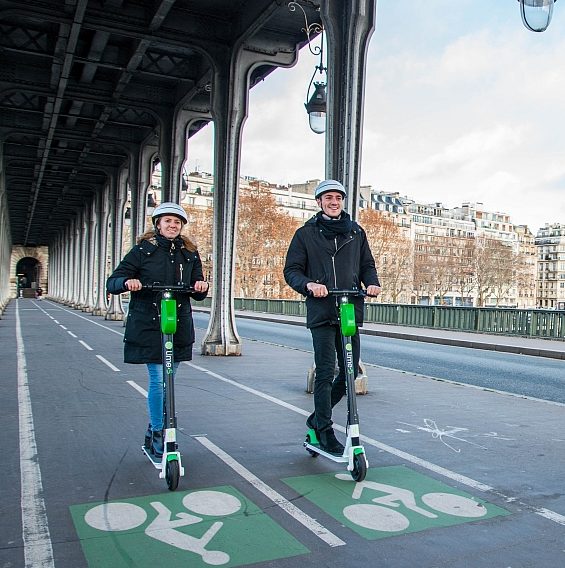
(462, 104)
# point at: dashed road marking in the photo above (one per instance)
(297, 514)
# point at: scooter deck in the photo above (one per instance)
(342, 458)
(152, 458)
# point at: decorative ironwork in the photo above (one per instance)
(316, 103)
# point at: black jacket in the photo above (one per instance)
(166, 262)
(342, 262)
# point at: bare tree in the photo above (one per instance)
(493, 263)
(464, 276)
(392, 252)
(264, 232)
(200, 230)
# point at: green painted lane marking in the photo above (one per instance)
(213, 527)
(392, 500)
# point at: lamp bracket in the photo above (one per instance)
(311, 30)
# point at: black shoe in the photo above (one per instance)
(148, 437)
(157, 444)
(329, 443)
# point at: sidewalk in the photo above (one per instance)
(537, 347)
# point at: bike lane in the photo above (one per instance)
(219, 518)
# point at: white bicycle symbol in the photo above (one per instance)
(126, 516)
(380, 517)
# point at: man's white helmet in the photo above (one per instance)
(329, 185)
(169, 208)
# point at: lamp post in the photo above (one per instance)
(316, 103)
(536, 14)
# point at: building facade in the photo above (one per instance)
(461, 256)
(550, 244)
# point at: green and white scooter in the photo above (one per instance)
(354, 452)
(170, 465)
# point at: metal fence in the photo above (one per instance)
(503, 321)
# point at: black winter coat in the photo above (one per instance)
(343, 262)
(166, 262)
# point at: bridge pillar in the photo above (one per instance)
(230, 86)
(348, 27)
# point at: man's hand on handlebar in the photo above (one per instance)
(201, 286)
(373, 290)
(317, 290)
(133, 284)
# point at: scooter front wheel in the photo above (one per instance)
(359, 467)
(311, 452)
(172, 474)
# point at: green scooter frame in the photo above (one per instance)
(170, 465)
(354, 452)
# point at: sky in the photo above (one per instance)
(462, 104)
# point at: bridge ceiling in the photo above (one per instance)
(84, 82)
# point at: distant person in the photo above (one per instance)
(161, 255)
(39, 293)
(330, 252)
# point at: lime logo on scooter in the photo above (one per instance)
(169, 357)
(349, 357)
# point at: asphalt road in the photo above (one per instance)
(524, 375)
(458, 477)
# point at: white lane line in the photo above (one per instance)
(106, 362)
(297, 514)
(389, 449)
(38, 550)
(137, 388)
(250, 390)
(546, 513)
(90, 320)
(551, 515)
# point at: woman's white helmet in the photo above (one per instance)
(169, 208)
(329, 185)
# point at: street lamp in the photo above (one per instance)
(317, 102)
(316, 108)
(536, 14)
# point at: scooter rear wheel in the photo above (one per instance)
(359, 467)
(172, 474)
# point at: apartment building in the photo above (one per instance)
(445, 242)
(550, 244)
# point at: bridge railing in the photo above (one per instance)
(503, 321)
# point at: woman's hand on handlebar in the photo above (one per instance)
(201, 286)
(373, 290)
(133, 284)
(317, 290)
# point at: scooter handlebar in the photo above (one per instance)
(158, 287)
(347, 292)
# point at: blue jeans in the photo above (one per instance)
(326, 340)
(155, 395)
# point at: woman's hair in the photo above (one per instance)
(150, 235)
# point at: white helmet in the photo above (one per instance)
(329, 185)
(169, 208)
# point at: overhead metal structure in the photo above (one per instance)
(84, 82)
(92, 92)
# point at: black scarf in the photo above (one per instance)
(167, 243)
(332, 227)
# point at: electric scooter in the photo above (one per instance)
(354, 452)
(170, 465)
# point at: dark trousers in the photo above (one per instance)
(328, 391)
